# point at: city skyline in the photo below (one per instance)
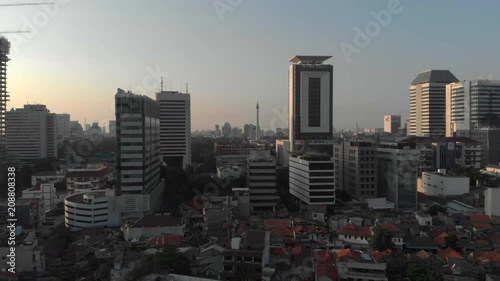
(66, 63)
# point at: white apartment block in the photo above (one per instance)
(428, 103)
(88, 176)
(440, 184)
(491, 199)
(175, 128)
(45, 191)
(311, 178)
(31, 132)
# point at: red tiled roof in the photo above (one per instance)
(348, 253)
(491, 256)
(390, 227)
(448, 253)
(301, 228)
(482, 226)
(282, 252)
(353, 230)
(379, 256)
(280, 231)
(325, 264)
(274, 222)
(163, 240)
(297, 250)
(479, 218)
(434, 233)
(441, 239)
(328, 271)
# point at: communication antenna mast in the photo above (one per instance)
(187, 88)
(162, 84)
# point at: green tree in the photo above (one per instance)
(451, 241)
(424, 270)
(381, 240)
(244, 272)
(434, 209)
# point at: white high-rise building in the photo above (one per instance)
(175, 128)
(63, 125)
(469, 104)
(31, 132)
(310, 99)
(428, 103)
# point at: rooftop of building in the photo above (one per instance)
(430, 140)
(49, 173)
(434, 76)
(307, 59)
(157, 221)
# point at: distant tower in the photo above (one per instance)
(258, 127)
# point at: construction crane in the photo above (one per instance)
(26, 4)
(22, 4)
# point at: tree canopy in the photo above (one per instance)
(381, 240)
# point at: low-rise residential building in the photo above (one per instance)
(354, 234)
(47, 177)
(423, 219)
(251, 250)
(30, 213)
(45, 191)
(440, 184)
(88, 176)
(357, 265)
(396, 232)
(29, 255)
(153, 225)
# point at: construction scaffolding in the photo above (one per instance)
(4, 97)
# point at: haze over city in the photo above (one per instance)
(235, 56)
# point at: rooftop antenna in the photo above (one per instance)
(187, 88)
(161, 84)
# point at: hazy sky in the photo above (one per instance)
(234, 53)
